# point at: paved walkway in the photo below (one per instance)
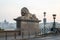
(52, 37)
(13, 38)
(48, 38)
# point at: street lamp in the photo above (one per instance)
(44, 14)
(54, 29)
(54, 17)
(44, 21)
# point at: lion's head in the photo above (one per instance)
(24, 11)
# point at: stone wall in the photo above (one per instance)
(9, 33)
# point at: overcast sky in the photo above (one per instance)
(10, 9)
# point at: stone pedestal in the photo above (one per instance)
(28, 26)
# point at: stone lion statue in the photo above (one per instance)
(27, 15)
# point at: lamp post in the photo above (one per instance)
(54, 29)
(44, 21)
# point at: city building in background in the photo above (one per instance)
(7, 26)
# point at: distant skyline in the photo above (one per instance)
(10, 9)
